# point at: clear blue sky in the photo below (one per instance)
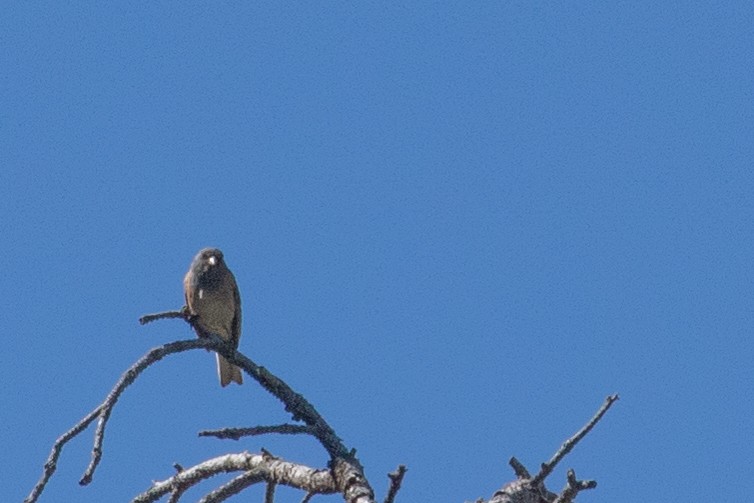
(456, 229)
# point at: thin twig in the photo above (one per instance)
(573, 487)
(519, 468)
(234, 487)
(126, 380)
(237, 433)
(149, 318)
(569, 444)
(396, 479)
(102, 412)
(52, 460)
(269, 492)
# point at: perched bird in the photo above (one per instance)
(212, 295)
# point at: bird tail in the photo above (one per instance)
(228, 372)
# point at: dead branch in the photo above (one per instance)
(396, 479)
(528, 489)
(569, 444)
(237, 433)
(573, 487)
(344, 474)
(52, 460)
(102, 412)
(149, 318)
(255, 467)
(349, 473)
(269, 493)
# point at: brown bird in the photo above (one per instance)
(212, 295)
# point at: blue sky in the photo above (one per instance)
(455, 228)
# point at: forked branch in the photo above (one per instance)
(532, 489)
(348, 475)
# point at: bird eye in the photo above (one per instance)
(212, 260)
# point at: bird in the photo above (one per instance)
(212, 296)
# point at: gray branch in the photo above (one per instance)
(569, 444)
(102, 412)
(52, 460)
(343, 461)
(528, 489)
(237, 433)
(256, 468)
(573, 487)
(396, 479)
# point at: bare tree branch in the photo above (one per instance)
(527, 489)
(396, 479)
(344, 474)
(269, 493)
(519, 469)
(175, 495)
(126, 380)
(345, 460)
(295, 404)
(349, 474)
(571, 442)
(233, 487)
(256, 467)
(350, 480)
(103, 411)
(573, 487)
(52, 460)
(237, 433)
(149, 318)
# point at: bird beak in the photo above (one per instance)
(212, 260)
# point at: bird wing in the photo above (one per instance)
(187, 290)
(235, 328)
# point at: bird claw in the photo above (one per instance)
(188, 315)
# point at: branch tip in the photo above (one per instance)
(149, 318)
(519, 469)
(396, 479)
(573, 487)
(569, 444)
